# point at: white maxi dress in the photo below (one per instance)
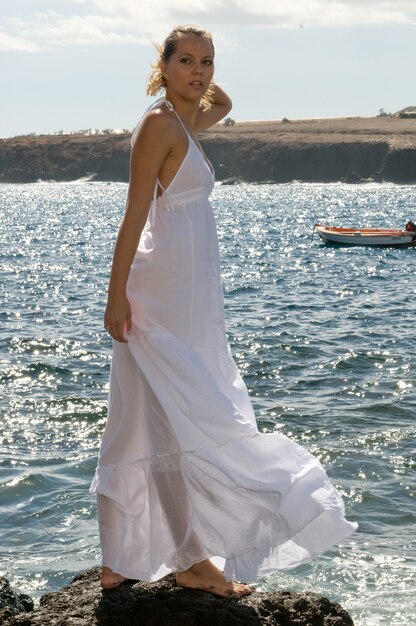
(183, 472)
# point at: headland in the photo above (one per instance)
(349, 149)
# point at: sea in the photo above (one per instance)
(325, 338)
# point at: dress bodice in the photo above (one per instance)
(194, 176)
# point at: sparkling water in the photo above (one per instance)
(324, 338)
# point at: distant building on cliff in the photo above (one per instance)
(407, 113)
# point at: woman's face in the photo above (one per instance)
(190, 68)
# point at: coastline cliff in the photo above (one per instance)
(328, 150)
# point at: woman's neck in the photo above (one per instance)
(187, 110)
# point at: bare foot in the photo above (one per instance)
(207, 577)
(109, 579)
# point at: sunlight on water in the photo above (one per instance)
(323, 338)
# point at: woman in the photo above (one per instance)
(184, 477)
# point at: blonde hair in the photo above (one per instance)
(157, 82)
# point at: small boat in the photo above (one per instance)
(389, 237)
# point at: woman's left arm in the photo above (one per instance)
(219, 109)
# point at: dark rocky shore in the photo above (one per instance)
(326, 150)
(83, 603)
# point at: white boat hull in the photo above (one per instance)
(366, 237)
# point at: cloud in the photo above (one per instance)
(291, 13)
(266, 13)
(104, 22)
(51, 29)
(16, 44)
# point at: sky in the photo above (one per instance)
(78, 64)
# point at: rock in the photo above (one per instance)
(83, 603)
(400, 166)
(352, 177)
(231, 181)
(12, 602)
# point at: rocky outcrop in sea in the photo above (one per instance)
(84, 603)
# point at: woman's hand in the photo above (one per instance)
(117, 317)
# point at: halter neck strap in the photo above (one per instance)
(169, 104)
(171, 108)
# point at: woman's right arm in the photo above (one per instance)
(152, 146)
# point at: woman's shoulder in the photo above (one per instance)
(156, 125)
